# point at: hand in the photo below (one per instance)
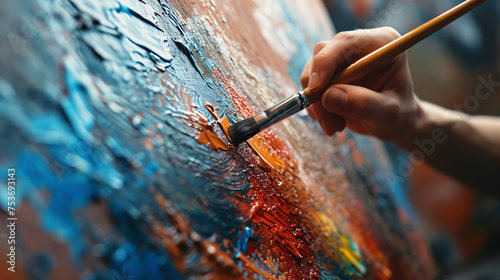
(381, 104)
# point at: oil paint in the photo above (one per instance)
(114, 116)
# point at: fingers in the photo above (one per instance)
(359, 103)
(330, 122)
(344, 49)
(306, 72)
(304, 79)
(346, 101)
(310, 112)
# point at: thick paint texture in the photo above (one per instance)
(115, 113)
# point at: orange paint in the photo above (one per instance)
(267, 155)
(209, 138)
(148, 143)
(223, 122)
(206, 134)
(263, 151)
(356, 156)
(275, 216)
(252, 268)
(283, 233)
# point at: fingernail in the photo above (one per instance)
(334, 99)
(314, 80)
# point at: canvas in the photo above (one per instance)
(113, 120)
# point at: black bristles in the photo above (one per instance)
(242, 131)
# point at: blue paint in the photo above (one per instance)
(190, 55)
(78, 137)
(242, 243)
(76, 108)
(69, 190)
(304, 49)
(140, 31)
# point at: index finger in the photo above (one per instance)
(344, 49)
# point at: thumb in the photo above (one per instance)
(359, 103)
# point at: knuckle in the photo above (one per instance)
(344, 35)
(348, 54)
(321, 60)
(393, 33)
(393, 109)
(319, 46)
(304, 80)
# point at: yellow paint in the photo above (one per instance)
(327, 223)
(346, 246)
(353, 259)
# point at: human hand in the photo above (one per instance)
(381, 104)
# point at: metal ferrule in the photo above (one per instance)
(282, 110)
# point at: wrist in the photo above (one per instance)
(430, 122)
(414, 125)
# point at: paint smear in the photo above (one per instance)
(206, 135)
(263, 150)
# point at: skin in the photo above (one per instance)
(383, 104)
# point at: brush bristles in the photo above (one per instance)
(242, 131)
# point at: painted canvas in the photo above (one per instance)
(115, 155)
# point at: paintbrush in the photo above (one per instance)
(245, 129)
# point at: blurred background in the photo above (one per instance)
(462, 226)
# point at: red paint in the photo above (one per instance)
(283, 237)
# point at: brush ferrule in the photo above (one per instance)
(282, 110)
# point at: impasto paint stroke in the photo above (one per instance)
(114, 117)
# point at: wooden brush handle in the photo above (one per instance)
(374, 60)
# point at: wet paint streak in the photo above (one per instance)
(139, 30)
(263, 150)
(190, 55)
(206, 135)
